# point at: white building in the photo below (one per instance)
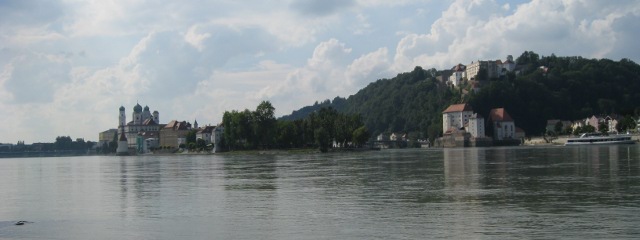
(476, 126)
(509, 65)
(503, 125)
(494, 69)
(205, 134)
(216, 138)
(457, 74)
(456, 116)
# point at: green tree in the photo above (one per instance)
(323, 139)
(558, 127)
(625, 124)
(63, 143)
(588, 129)
(264, 124)
(361, 136)
(603, 127)
(201, 144)
(286, 134)
(191, 136)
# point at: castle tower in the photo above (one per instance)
(137, 114)
(195, 124)
(122, 120)
(156, 117)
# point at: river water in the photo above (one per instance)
(475, 193)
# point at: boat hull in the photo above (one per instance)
(607, 140)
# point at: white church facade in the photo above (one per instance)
(143, 121)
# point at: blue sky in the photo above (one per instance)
(67, 66)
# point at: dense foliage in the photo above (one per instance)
(62, 144)
(411, 102)
(568, 88)
(321, 128)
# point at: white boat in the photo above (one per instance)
(600, 139)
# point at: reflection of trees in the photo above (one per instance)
(250, 173)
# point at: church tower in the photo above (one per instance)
(146, 114)
(156, 117)
(137, 114)
(195, 124)
(122, 120)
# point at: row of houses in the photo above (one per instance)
(608, 121)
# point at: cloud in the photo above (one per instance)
(29, 76)
(470, 30)
(365, 69)
(195, 39)
(318, 8)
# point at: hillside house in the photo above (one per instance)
(457, 74)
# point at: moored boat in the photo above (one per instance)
(600, 139)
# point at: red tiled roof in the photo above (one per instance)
(459, 67)
(499, 114)
(463, 107)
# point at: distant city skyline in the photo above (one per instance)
(66, 67)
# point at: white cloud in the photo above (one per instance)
(363, 70)
(195, 39)
(470, 30)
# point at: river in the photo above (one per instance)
(474, 193)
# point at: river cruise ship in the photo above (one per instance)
(600, 139)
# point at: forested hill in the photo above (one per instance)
(567, 88)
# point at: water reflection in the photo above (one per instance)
(462, 167)
(250, 172)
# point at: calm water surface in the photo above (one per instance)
(485, 193)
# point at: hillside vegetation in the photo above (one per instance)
(551, 87)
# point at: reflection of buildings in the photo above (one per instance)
(462, 167)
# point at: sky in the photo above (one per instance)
(66, 66)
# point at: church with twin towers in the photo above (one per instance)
(142, 121)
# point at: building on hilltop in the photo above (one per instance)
(457, 74)
(509, 65)
(494, 69)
